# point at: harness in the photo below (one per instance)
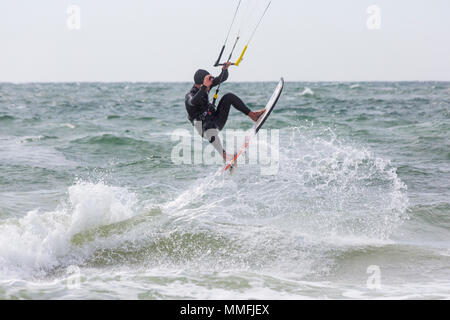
(203, 116)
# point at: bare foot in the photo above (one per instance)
(255, 115)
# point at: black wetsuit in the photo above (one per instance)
(199, 108)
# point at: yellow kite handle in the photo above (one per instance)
(242, 56)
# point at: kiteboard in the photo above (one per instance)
(231, 165)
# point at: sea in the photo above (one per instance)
(96, 204)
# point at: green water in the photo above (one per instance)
(87, 180)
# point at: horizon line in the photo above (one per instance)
(245, 81)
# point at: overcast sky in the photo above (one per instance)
(167, 40)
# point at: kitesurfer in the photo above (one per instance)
(207, 119)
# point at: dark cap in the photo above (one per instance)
(200, 76)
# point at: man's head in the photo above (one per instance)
(200, 76)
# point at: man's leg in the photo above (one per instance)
(212, 135)
(208, 132)
(223, 109)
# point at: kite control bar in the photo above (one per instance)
(238, 61)
(241, 57)
(218, 59)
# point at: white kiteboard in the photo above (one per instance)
(253, 131)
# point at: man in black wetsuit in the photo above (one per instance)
(204, 116)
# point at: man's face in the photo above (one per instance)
(208, 78)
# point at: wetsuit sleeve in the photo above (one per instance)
(220, 78)
(196, 99)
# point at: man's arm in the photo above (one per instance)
(196, 99)
(221, 78)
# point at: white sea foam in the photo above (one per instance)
(38, 241)
(307, 92)
(327, 194)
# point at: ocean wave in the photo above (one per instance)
(147, 118)
(7, 118)
(68, 125)
(433, 214)
(337, 204)
(39, 242)
(112, 117)
(37, 138)
(325, 193)
(307, 92)
(109, 139)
